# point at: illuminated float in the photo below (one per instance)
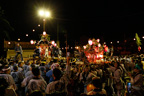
(45, 45)
(94, 51)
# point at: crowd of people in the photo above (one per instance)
(117, 76)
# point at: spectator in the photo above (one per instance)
(18, 78)
(137, 81)
(5, 73)
(36, 83)
(5, 90)
(60, 81)
(49, 73)
(117, 79)
(85, 78)
(18, 50)
(42, 70)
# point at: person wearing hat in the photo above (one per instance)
(136, 79)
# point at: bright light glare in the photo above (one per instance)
(47, 14)
(44, 13)
(41, 13)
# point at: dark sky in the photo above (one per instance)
(107, 20)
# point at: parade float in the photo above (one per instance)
(94, 51)
(47, 48)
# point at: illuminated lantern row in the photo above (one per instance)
(91, 42)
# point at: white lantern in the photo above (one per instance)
(90, 42)
(32, 42)
(44, 33)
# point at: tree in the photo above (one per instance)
(5, 28)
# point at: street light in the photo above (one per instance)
(26, 35)
(45, 14)
(9, 43)
(33, 30)
(18, 39)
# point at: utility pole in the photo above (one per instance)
(66, 42)
(58, 43)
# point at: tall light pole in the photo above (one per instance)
(45, 14)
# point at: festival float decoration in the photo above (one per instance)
(45, 44)
(94, 51)
(138, 42)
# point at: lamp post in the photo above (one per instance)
(45, 14)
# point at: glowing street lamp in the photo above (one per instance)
(44, 13)
(111, 42)
(26, 35)
(134, 39)
(143, 37)
(9, 43)
(117, 41)
(18, 39)
(38, 25)
(33, 30)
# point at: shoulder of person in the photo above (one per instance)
(10, 92)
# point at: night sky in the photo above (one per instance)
(81, 19)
